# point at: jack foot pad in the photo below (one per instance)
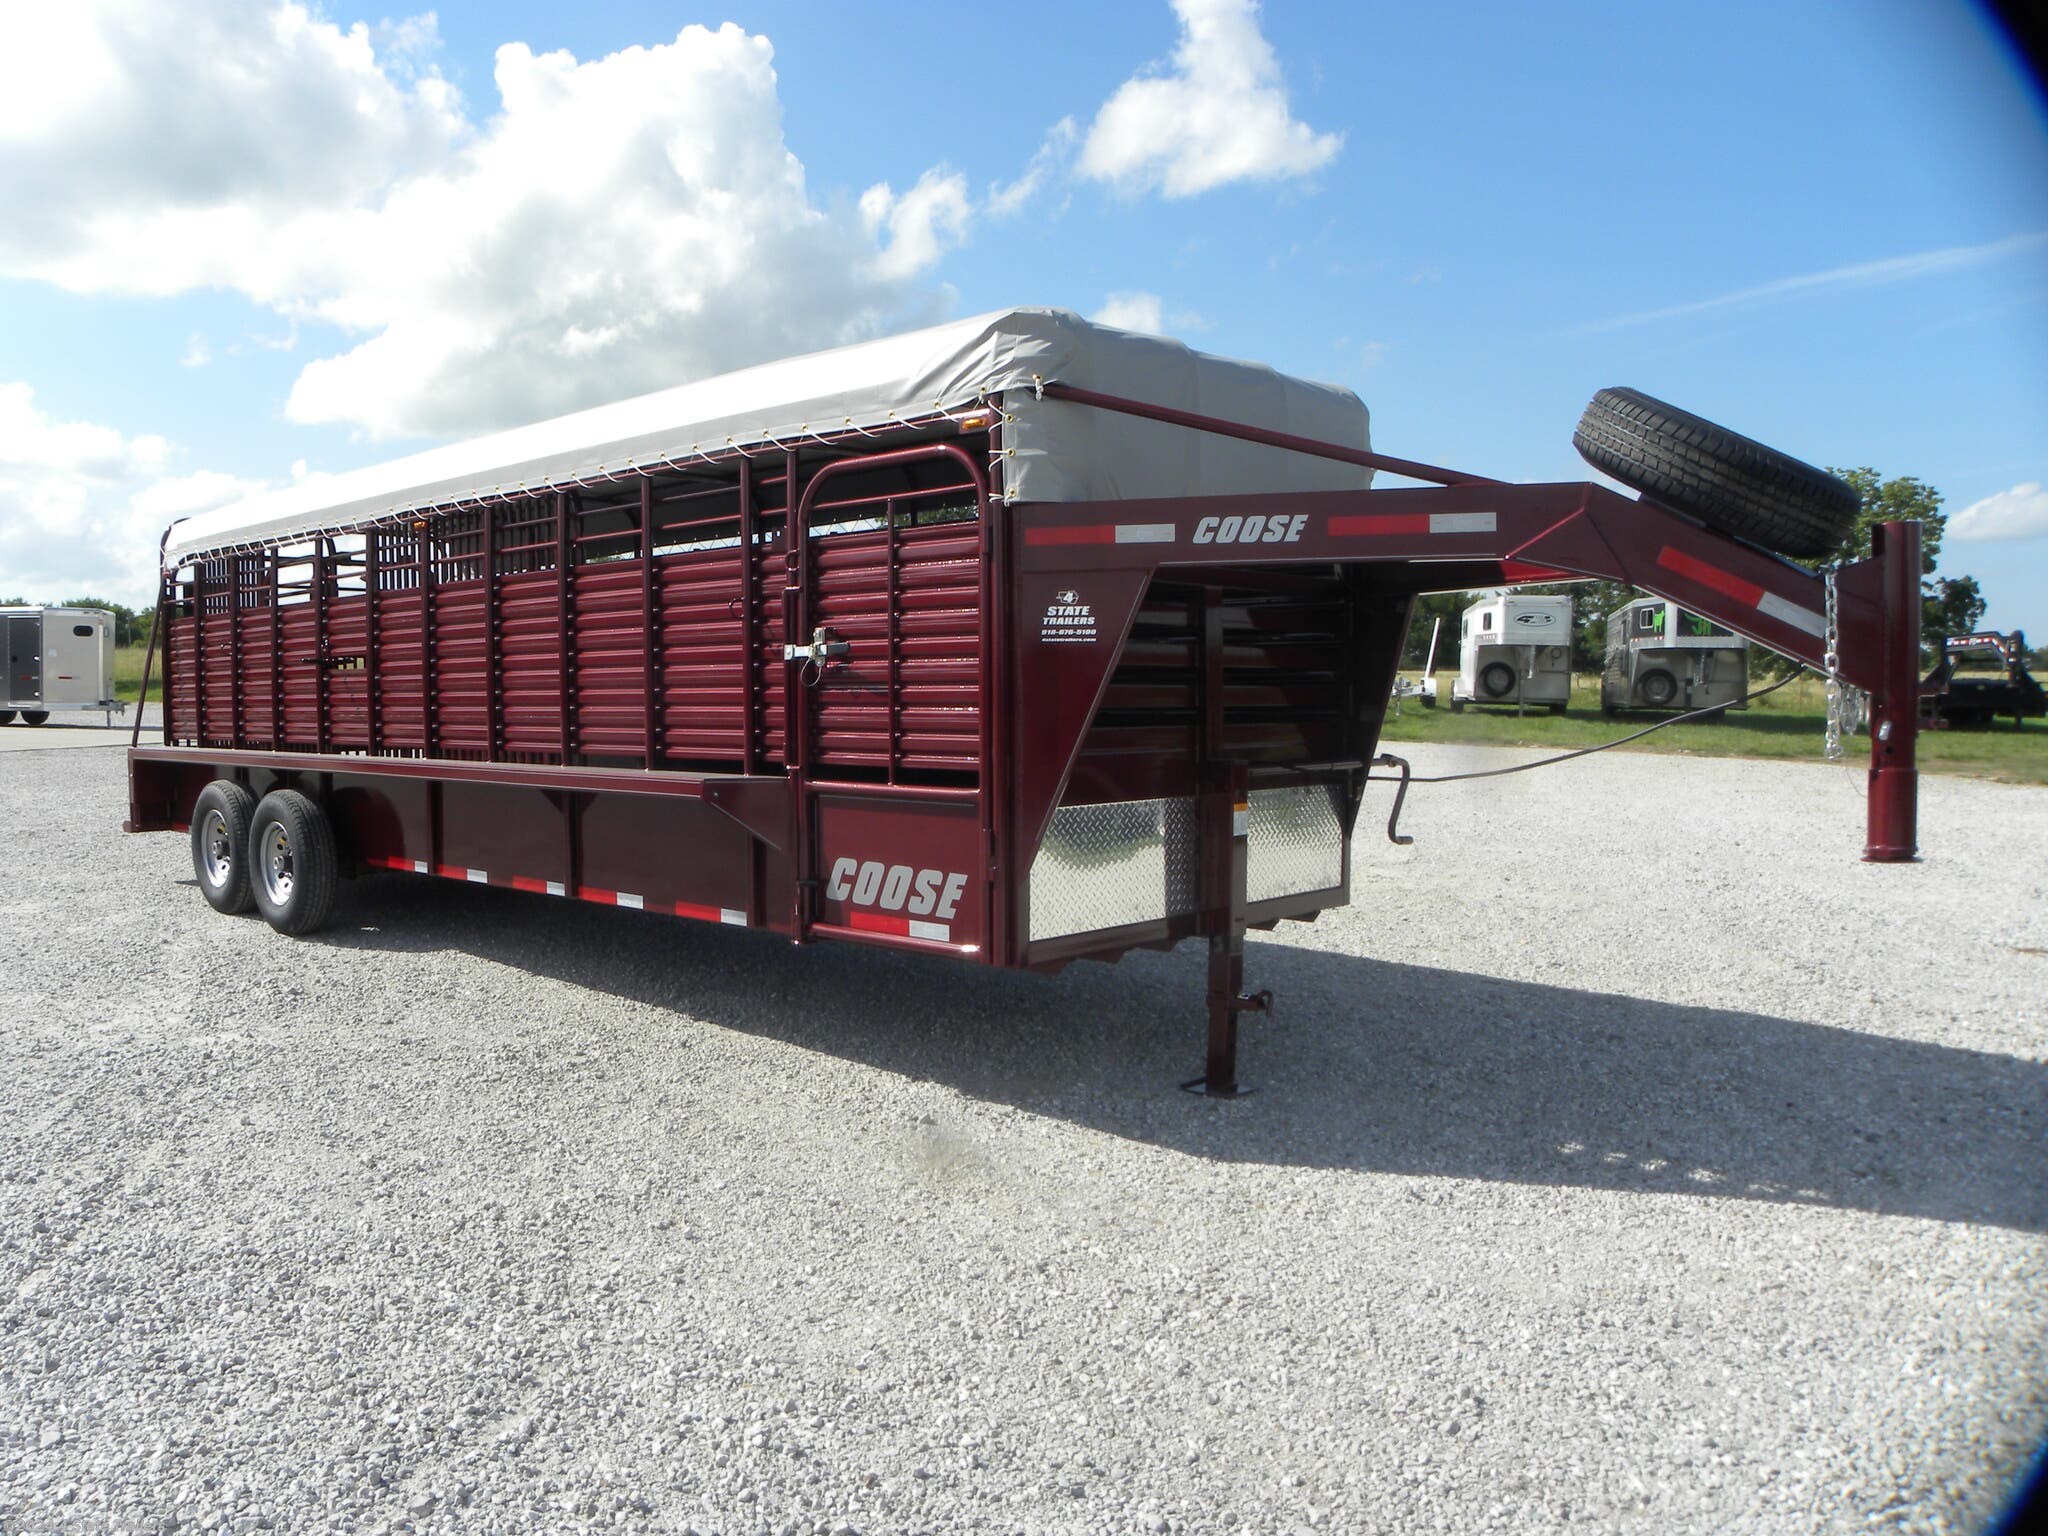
(1199, 1086)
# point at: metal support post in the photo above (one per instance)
(1895, 708)
(1222, 838)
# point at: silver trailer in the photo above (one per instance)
(1515, 648)
(58, 659)
(1662, 656)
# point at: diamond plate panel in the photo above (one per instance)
(1297, 842)
(1105, 865)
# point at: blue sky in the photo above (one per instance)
(257, 243)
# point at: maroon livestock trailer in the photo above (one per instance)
(1019, 640)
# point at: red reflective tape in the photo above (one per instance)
(1385, 523)
(528, 883)
(452, 871)
(876, 922)
(1522, 570)
(1082, 533)
(181, 826)
(404, 865)
(1711, 576)
(593, 893)
(702, 914)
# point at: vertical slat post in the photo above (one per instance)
(373, 576)
(238, 566)
(323, 731)
(199, 650)
(752, 675)
(892, 703)
(650, 628)
(494, 671)
(276, 650)
(430, 671)
(565, 597)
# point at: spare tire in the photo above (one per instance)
(1724, 479)
(1496, 679)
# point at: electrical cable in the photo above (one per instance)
(1565, 757)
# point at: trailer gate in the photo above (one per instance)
(850, 694)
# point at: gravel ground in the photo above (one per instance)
(1620, 1163)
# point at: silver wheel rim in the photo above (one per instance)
(216, 850)
(274, 862)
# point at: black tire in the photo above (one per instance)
(1496, 679)
(34, 716)
(1457, 706)
(1557, 709)
(1609, 711)
(1657, 689)
(6, 717)
(294, 874)
(1724, 479)
(220, 845)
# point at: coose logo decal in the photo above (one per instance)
(896, 887)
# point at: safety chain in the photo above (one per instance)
(1845, 701)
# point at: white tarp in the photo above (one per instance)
(1057, 451)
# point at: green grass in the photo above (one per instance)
(1791, 723)
(128, 674)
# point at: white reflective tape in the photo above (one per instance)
(419, 866)
(729, 915)
(943, 932)
(556, 888)
(1461, 522)
(628, 899)
(1144, 533)
(476, 877)
(1240, 823)
(1772, 606)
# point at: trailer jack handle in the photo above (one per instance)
(1388, 760)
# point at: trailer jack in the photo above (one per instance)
(1226, 1002)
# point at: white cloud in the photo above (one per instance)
(2020, 513)
(618, 225)
(1219, 114)
(1861, 274)
(1006, 199)
(922, 225)
(81, 505)
(1133, 312)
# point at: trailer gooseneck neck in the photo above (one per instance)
(865, 688)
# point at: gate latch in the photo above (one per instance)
(824, 647)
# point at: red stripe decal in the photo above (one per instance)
(1404, 522)
(1084, 533)
(528, 883)
(876, 922)
(1710, 576)
(691, 909)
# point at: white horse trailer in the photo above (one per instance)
(1515, 648)
(1662, 656)
(57, 659)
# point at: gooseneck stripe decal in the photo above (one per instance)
(1748, 593)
